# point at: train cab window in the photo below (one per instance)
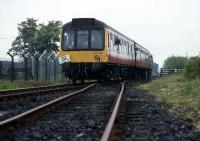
(96, 39)
(82, 39)
(68, 40)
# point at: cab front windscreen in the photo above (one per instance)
(82, 40)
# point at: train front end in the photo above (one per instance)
(83, 49)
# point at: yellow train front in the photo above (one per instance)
(90, 49)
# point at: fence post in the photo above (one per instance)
(25, 67)
(49, 70)
(49, 63)
(12, 66)
(54, 61)
(36, 67)
(46, 63)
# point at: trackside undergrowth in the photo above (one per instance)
(6, 84)
(180, 95)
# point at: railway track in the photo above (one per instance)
(85, 115)
(10, 122)
(14, 104)
(34, 90)
(104, 112)
(138, 116)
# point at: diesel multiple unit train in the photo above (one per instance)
(90, 49)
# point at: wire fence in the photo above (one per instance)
(31, 68)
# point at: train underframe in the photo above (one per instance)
(103, 71)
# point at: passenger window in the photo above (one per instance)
(130, 50)
(138, 54)
(111, 42)
(111, 36)
(133, 52)
(120, 49)
(126, 48)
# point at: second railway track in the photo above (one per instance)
(13, 104)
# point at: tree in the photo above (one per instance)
(175, 62)
(47, 37)
(25, 41)
(33, 38)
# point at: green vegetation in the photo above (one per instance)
(5, 84)
(193, 68)
(175, 62)
(180, 95)
(36, 38)
(190, 65)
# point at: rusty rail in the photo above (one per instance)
(35, 90)
(108, 130)
(27, 93)
(19, 90)
(40, 108)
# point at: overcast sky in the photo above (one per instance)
(164, 27)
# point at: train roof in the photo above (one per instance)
(92, 22)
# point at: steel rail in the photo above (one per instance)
(108, 130)
(38, 90)
(28, 93)
(30, 89)
(21, 116)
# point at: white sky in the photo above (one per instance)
(164, 27)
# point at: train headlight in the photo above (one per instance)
(64, 59)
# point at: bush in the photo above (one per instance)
(192, 69)
(175, 62)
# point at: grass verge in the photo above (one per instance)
(5, 84)
(181, 95)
